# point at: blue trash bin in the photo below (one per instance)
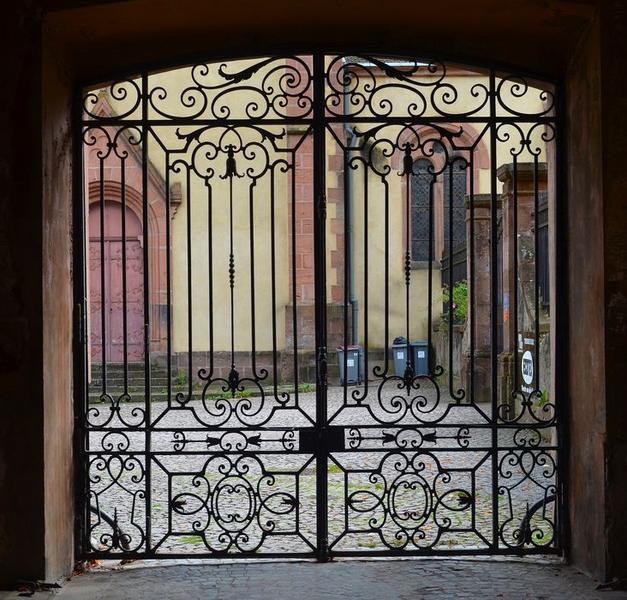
(420, 357)
(399, 352)
(353, 362)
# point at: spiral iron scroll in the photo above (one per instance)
(231, 463)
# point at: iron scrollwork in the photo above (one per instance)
(230, 462)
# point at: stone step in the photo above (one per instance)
(132, 381)
(134, 390)
(97, 366)
(136, 374)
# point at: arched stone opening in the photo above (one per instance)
(581, 43)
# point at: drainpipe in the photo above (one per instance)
(350, 256)
(350, 242)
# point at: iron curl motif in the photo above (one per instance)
(411, 501)
(513, 92)
(276, 87)
(241, 165)
(234, 440)
(117, 476)
(236, 504)
(520, 524)
(123, 96)
(366, 86)
(404, 438)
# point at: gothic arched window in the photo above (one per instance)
(455, 173)
(420, 211)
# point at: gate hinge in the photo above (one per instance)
(324, 550)
(79, 322)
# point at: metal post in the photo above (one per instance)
(319, 151)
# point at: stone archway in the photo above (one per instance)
(83, 40)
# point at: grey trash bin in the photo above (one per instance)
(354, 364)
(420, 357)
(399, 352)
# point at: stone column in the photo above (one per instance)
(514, 239)
(478, 299)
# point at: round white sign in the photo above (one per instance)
(526, 367)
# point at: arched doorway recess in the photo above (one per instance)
(115, 258)
(357, 355)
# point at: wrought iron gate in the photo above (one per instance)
(312, 381)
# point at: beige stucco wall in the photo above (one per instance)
(175, 83)
(241, 251)
(419, 279)
(469, 95)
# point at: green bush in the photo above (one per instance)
(460, 301)
(181, 378)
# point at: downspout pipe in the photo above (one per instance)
(350, 241)
(350, 245)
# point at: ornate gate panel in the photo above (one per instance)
(346, 256)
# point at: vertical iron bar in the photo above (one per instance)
(515, 275)
(450, 276)
(347, 273)
(386, 275)
(251, 221)
(168, 276)
(294, 282)
(493, 309)
(407, 265)
(232, 275)
(365, 167)
(536, 273)
(147, 379)
(320, 266)
(471, 251)
(103, 285)
(273, 282)
(431, 362)
(124, 300)
(190, 341)
(210, 271)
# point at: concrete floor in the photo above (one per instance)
(365, 580)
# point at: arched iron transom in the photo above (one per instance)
(318, 315)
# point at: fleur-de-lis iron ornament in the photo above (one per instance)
(233, 380)
(408, 377)
(408, 161)
(231, 164)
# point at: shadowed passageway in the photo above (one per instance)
(366, 580)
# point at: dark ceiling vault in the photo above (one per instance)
(100, 35)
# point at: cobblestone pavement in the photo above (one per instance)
(365, 580)
(350, 476)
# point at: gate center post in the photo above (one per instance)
(319, 165)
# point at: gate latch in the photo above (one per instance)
(321, 441)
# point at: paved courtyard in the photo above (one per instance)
(363, 580)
